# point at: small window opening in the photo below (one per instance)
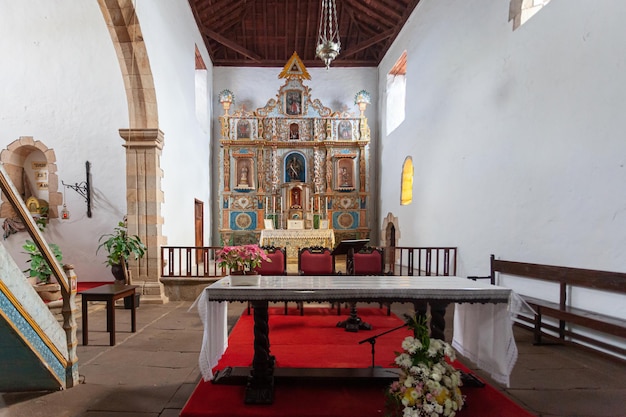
(396, 94)
(202, 93)
(520, 11)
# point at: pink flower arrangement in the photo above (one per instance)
(241, 258)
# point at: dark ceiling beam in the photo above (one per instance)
(317, 63)
(370, 42)
(394, 7)
(207, 44)
(203, 6)
(366, 11)
(265, 26)
(229, 8)
(231, 45)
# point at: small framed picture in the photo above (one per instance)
(269, 224)
(293, 102)
(344, 130)
(243, 128)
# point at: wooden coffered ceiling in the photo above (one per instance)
(265, 33)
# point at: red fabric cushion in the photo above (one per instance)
(276, 267)
(316, 263)
(368, 263)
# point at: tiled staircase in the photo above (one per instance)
(33, 343)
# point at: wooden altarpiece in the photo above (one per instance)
(293, 159)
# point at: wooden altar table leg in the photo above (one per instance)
(354, 322)
(260, 386)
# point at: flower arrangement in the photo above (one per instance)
(428, 384)
(226, 96)
(241, 258)
(362, 97)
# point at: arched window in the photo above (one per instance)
(406, 196)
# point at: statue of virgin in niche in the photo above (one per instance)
(294, 168)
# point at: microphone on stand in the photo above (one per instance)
(372, 340)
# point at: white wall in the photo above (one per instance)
(516, 137)
(254, 87)
(171, 35)
(62, 84)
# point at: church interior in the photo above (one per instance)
(492, 132)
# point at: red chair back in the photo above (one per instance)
(369, 261)
(278, 266)
(316, 261)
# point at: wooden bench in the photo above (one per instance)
(568, 279)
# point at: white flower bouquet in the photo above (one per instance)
(428, 386)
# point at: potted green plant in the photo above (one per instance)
(40, 271)
(120, 246)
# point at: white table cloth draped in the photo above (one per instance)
(215, 337)
(482, 332)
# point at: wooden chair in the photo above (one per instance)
(315, 260)
(277, 266)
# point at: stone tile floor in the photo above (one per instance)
(151, 373)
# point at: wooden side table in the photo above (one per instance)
(109, 293)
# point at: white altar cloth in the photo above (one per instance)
(488, 342)
(293, 240)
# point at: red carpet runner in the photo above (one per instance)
(313, 340)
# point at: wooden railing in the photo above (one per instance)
(190, 261)
(402, 260)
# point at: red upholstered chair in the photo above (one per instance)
(315, 260)
(369, 261)
(277, 266)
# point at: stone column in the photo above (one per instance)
(144, 197)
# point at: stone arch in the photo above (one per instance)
(13, 158)
(144, 143)
(121, 20)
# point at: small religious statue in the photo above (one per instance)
(243, 179)
(345, 178)
(295, 198)
(294, 133)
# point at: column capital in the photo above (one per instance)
(142, 138)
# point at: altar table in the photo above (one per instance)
(494, 347)
(292, 240)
